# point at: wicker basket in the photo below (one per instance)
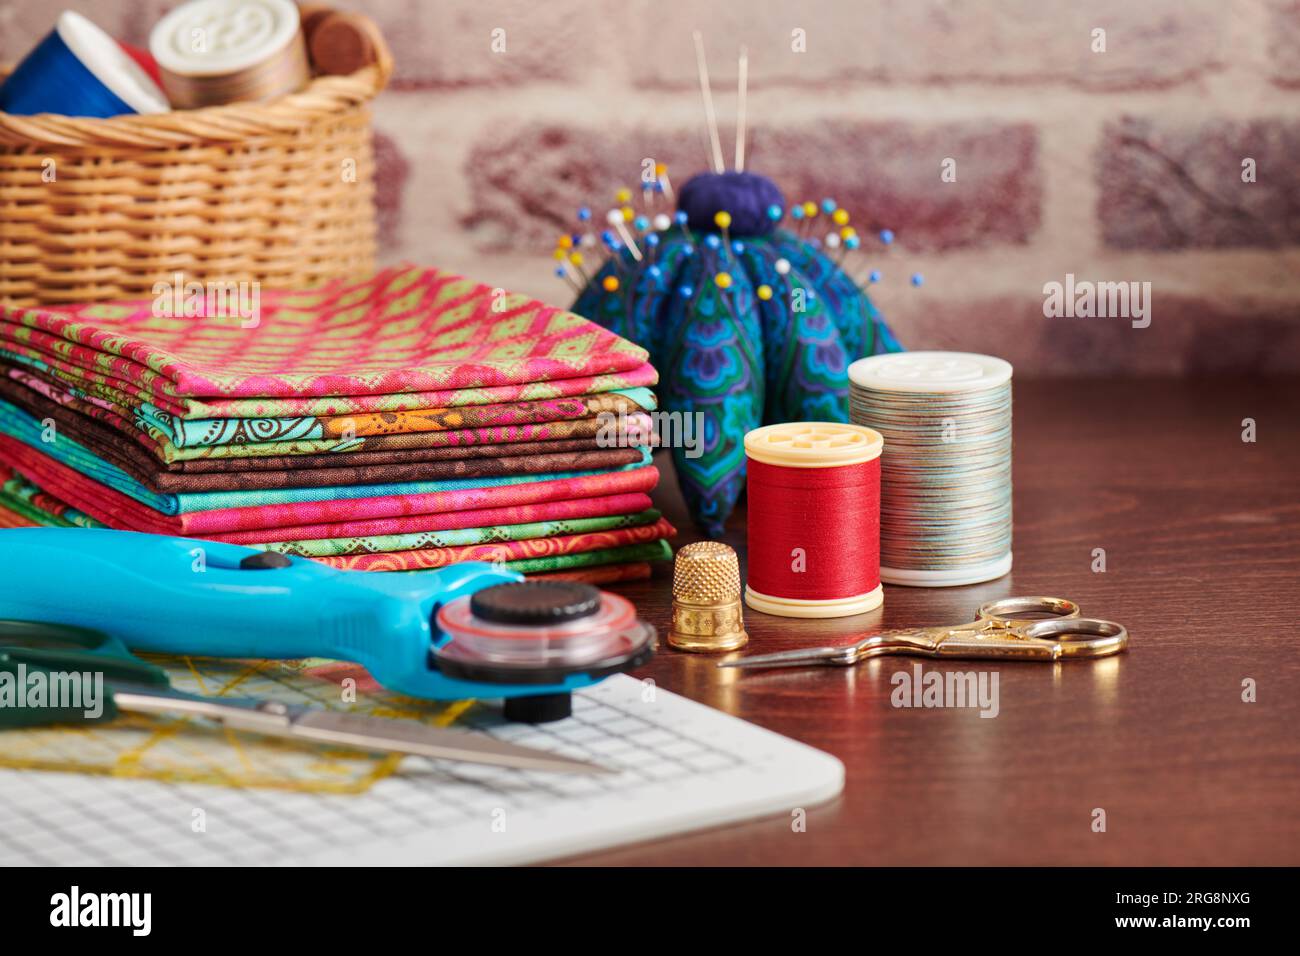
(95, 209)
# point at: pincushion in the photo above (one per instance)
(748, 322)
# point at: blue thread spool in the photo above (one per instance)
(79, 70)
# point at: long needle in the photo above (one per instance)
(709, 115)
(740, 110)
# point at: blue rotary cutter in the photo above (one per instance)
(470, 630)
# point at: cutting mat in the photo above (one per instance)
(682, 766)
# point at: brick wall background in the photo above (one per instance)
(1122, 165)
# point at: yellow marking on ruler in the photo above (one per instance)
(453, 710)
(189, 664)
(233, 740)
(129, 759)
(252, 670)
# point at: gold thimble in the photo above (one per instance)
(706, 599)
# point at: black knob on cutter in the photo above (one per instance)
(535, 602)
(539, 708)
(545, 606)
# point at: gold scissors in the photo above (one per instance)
(999, 630)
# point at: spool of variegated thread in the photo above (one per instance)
(945, 512)
(814, 519)
(213, 52)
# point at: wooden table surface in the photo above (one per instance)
(1201, 535)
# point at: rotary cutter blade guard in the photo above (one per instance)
(538, 632)
(529, 643)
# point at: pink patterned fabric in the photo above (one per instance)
(402, 330)
(450, 520)
(47, 350)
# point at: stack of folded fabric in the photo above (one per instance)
(401, 423)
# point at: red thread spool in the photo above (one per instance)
(814, 519)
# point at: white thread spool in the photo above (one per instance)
(945, 513)
(211, 52)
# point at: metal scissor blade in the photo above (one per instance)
(361, 731)
(802, 657)
(407, 736)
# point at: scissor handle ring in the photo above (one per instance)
(1081, 636)
(1014, 608)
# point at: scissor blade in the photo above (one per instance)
(411, 737)
(798, 658)
(361, 731)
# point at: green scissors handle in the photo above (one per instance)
(76, 655)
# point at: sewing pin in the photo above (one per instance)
(706, 92)
(576, 259)
(742, 82)
(851, 242)
(618, 219)
(722, 219)
(584, 218)
(809, 214)
(612, 245)
(563, 273)
(661, 175)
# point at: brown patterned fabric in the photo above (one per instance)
(392, 457)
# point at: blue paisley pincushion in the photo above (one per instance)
(747, 322)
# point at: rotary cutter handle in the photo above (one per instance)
(420, 633)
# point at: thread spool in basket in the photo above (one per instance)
(814, 519)
(79, 70)
(945, 508)
(214, 52)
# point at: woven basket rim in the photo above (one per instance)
(234, 122)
